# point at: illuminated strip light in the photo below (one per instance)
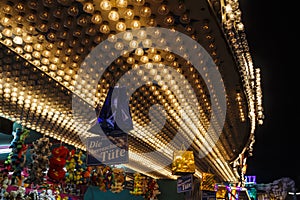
(5, 149)
(154, 165)
(240, 106)
(294, 193)
(259, 106)
(230, 18)
(149, 163)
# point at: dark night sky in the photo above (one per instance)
(272, 37)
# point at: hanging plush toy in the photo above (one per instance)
(118, 181)
(40, 152)
(17, 157)
(153, 189)
(70, 167)
(104, 177)
(74, 167)
(137, 184)
(56, 170)
(87, 175)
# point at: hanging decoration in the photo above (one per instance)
(115, 113)
(152, 189)
(70, 167)
(208, 182)
(183, 162)
(137, 184)
(56, 170)
(118, 180)
(40, 152)
(16, 160)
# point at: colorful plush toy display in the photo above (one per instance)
(153, 190)
(118, 180)
(137, 184)
(16, 160)
(70, 167)
(74, 167)
(87, 175)
(40, 152)
(56, 170)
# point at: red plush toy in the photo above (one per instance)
(57, 161)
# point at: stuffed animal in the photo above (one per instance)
(70, 167)
(87, 175)
(17, 157)
(153, 190)
(118, 181)
(3, 192)
(57, 161)
(137, 184)
(40, 152)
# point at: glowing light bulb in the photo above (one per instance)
(145, 11)
(88, 7)
(135, 24)
(96, 18)
(104, 28)
(105, 5)
(121, 26)
(128, 36)
(163, 9)
(121, 3)
(113, 15)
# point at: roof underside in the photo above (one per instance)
(46, 73)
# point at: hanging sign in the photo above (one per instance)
(108, 150)
(209, 195)
(185, 183)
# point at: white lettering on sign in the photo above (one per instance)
(94, 144)
(112, 154)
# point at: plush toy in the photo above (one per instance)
(57, 163)
(40, 152)
(70, 167)
(87, 175)
(74, 167)
(17, 157)
(108, 177)
(153, 189)
(50, 195)
(137, 184)
(3, 192)
(78, 177)
(118, 181)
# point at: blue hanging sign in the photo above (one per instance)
(185, 183)
(107, 150)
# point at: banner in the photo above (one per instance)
(185, 183)
(108, 150)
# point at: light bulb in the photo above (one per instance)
(96, 18)
(121, 3)
(113, 15)
(104, 28)
(88, 7)
(121, 26)
(128, 13)
(135, 24)
(163, 9)
(105, 5)
(145, 11)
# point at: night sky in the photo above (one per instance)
(271, 33)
